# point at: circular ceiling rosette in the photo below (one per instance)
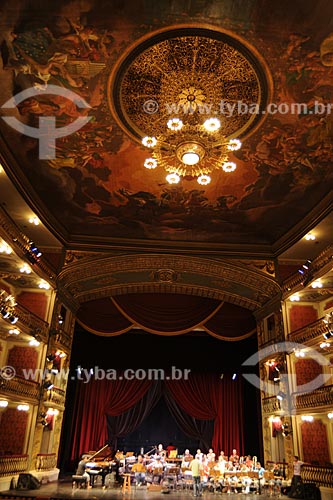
(192, 73)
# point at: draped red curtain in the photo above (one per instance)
(203, 396)
(95, 400)
(164, 314)
(207, 396)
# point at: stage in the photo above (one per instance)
(63, 489)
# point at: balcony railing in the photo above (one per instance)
(309, 332)
(32, 321)
(46, 461)
(324, 260)
(57, 396)
(321, 397)
(13, 464)
(318, 474)
(62, 340)
(271, 405)
(26, 389)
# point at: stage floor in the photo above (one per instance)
(62, 489)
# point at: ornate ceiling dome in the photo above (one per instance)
(190, 71)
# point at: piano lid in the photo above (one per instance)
(101, 454)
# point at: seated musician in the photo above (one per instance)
(205, 470)
(139, 470)
(187, 459)
(161, 452)
(249, 462)
(210, 456)
(222, 457)
(278, 477)
(234, 457)
(245, 479)
(157, 468)
(81, 469)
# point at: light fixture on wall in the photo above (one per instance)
(286, 431)
(307, 418)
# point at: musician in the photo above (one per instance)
(157, 468)
(139, 470)
(187, 459)
(161, 452)
(210, 456)
(234, 457)
(81, 469)
(249, 462)
(222, 457)
(199, 454)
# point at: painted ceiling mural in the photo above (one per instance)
(119, 55)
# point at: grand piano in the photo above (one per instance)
(101, 463)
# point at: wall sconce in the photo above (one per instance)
(307, 418)
(43, 420)
(22, 407)
(285, 430)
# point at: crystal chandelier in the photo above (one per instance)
(192, 149)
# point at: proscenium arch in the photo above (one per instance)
(95, 276)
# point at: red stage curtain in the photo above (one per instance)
(205, 396)
(231, 322)
(97, 399)
(102, 317)
(127, 422)
(166, 314)
(192, 427)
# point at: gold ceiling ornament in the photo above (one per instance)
(179, 92)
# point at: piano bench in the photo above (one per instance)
(79, 481)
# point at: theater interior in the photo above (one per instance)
(166, 238)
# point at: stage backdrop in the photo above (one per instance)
(108, 409)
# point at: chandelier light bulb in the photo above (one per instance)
(175, 124)
(173, 178)
(310, 237)
(229, 166)
(149, 142)
(204, 180)
(150, 163)
(190, 158)
(212, 124)
(234, 145)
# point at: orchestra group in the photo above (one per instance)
(199, 471)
